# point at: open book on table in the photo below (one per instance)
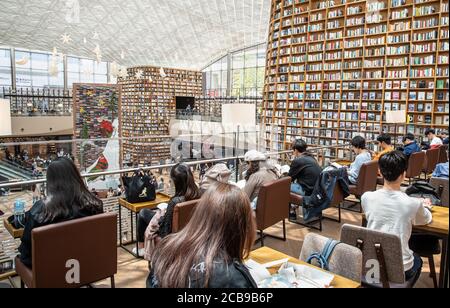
(289, 275)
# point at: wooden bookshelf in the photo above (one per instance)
(335, 67)
(148, 104)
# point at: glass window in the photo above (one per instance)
(101, 79)
(262, 55)
(72, 78)
(39, 61)
(39, 79)
(250, 57)
(73, 65)
(23, 78)
(224, 63)
(216, 80)
(100, 68)
(238, 60)
(5, 77)
(5, 58)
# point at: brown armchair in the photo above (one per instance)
(431, 161)
(90, 241)
(273, 206)
(443, 157)
(182, 213)
(415, 163)
(367, 181)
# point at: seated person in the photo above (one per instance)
(385, 143)
(258, 174)
(217, 173)
(185, 190)
(435, 141)
(392, 211)
(441, 170)
(210, 251)
(444, 136)
(363, 156)
(305, 170)
(410, 145)
(67, 198)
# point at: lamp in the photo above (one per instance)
(5, 118)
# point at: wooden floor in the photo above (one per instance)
(132, 273)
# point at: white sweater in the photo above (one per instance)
(396, 213)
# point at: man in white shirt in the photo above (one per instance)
(435, 141)
(391, 211)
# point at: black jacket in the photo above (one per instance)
(32, 222)
(224, 276)
(322, 195)
(305, 171)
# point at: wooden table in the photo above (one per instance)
(439, 228)
(134, 209)
(265, 255)
(344, 162)
(15, 233)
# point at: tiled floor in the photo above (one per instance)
(132, 272)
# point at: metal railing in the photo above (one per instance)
(318, 152)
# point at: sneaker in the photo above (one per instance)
(141, 252)
(292, 215)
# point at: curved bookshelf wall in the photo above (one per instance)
(334, 67)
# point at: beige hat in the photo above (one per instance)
(254, 155)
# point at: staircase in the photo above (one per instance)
(14, 173)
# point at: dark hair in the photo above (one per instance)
(359, 142)
(183, 179)
(300, 145)
(222, 229)
(410, 137)
(254, 167)
(430, 131)
(67, 193)
(385, 138)
(393, 165)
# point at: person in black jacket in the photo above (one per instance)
(305, 170)
(67, 198)
(210, 251)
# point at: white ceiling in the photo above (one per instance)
(170, 33)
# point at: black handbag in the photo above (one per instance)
(140, 187)
(424, 190)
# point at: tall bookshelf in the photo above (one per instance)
(148, 104)
(335, 67)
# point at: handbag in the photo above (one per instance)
(140, 187)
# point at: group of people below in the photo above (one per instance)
(210, 251)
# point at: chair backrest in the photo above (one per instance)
(368, 240)
(338, 196)
(88, 244)
(367, 179)
(431, 160)
(415, 164)
(345, 261)
(441, 185)
(273, 203)
(182, 213)
(443, 157)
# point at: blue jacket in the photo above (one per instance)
(411, 149)
(323, 192)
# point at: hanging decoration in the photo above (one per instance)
(139, 74)
(98, 53)
(95, 35)
(114, 69)
(123, 72)
(85, 40)
(23, 61)
(66, 39)
(162, 73)
(122, 55)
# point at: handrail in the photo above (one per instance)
(149, 168)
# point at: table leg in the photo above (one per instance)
(443, 275)
(137, 238)
(132, 227)
(120, 225)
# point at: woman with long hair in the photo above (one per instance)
(185, 190)
(210, 250)
(67, 198)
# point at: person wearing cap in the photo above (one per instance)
(258, 174)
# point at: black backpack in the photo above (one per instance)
(141, 187)
(424, 190)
